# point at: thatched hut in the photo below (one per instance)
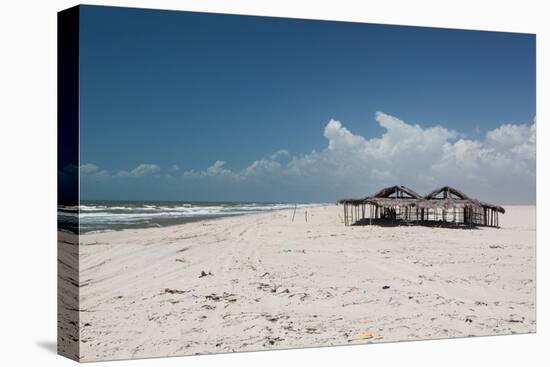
(448, 204)
(400, 204)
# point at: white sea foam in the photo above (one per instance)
(100, 216)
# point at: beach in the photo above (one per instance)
(281, 279)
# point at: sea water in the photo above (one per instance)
(99, 216)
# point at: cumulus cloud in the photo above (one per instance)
(144, 169)
(217, 169)
(88, 168)
(259, 168)
(499, 167)
(404, 153)
(518, 139)
(283, 153)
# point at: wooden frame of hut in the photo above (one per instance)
(402, 205)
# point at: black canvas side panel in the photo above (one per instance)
(68, 333)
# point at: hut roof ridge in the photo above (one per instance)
(448, 190)
(387, 191)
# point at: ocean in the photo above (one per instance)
(99, 216)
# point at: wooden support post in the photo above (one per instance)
(346, 214)
(370, 215)
(345, 221)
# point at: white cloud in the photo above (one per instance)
(402, 154)
(144, 169)
(88, 168)
(283, 153)
(215, 170)
(261, 167)
(91, 170)
(518, 139)
(499, 166)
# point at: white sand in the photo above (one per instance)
(282, 284)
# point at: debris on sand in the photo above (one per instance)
(364, 336)
(268, 287)
(204, 274)
(173, 291)
(228, 297)
(386, 287)
(272, 341)
(295, 251)
(515, 318)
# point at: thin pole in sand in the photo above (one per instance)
(294, 213)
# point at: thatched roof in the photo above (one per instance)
(452, 197)
(444, 197)
(387, 196)
(357, 201)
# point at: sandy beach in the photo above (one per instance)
(263, 281)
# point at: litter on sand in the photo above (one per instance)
(364, 336)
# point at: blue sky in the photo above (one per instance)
(176, 92)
